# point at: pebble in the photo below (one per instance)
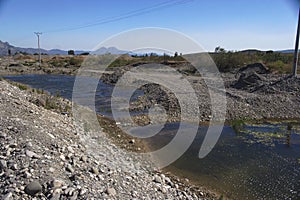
(95, 170)
(132, 141)
(62, 157)
(27, 175)
(82, 191)
(8, 196)
(31, 154)
(157, 179)
(51, 169)
(57, 183)
(69, 168)
(3, 164)
(55, 196)
(70, 149)
(3, 135)
(83, 158)
(111, 191)
(33, 188)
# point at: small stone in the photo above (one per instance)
(14, 167)
(168, 180)
(157, 179)
(3, 135)
(57, 183)
(29, 144)
(70, 149)
(31, 154)
(33, 188)
(55, 196)
(69, 168)
(83, 158)
(62, 157)
(27, 175)
(163, 190)
(163, 177)
(13, 145)
(134, 193)
(56, 190)
(128, 178)
(74, 195)
(82, 191)
(95, 170)
(111, 191)
(51, 169)
(69, 191)
(3, 164)
(132, 141)
(8, 196)
(69, 156)
(9, 173)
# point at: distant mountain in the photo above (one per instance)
(5, 46)
(257, 51)
(287, 51)
(112, 50)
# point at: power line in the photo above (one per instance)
(296, 48)
(38, 36)
(163, 5)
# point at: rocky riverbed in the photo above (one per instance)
(43, 155)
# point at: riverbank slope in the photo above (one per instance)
(44, 154)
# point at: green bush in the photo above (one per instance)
(74, 61)
(22, 87)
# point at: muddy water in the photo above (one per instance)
(260, 161)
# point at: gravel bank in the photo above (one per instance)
(43, 155)
(253, 96)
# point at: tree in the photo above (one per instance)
(219, 49)
(85, 53)
(176, 54)
(71, 52)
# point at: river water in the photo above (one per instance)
(260, 161)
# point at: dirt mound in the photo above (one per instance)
(249, 81)
(258, 68)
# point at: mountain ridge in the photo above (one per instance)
(5, 46)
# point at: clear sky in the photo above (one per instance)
(232, 24)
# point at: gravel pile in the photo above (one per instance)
(286, 84)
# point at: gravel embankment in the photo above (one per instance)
(43, 155)
(253, 96)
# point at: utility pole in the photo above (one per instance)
(38, 36)
(296, 48)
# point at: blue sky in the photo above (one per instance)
(232, 24)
